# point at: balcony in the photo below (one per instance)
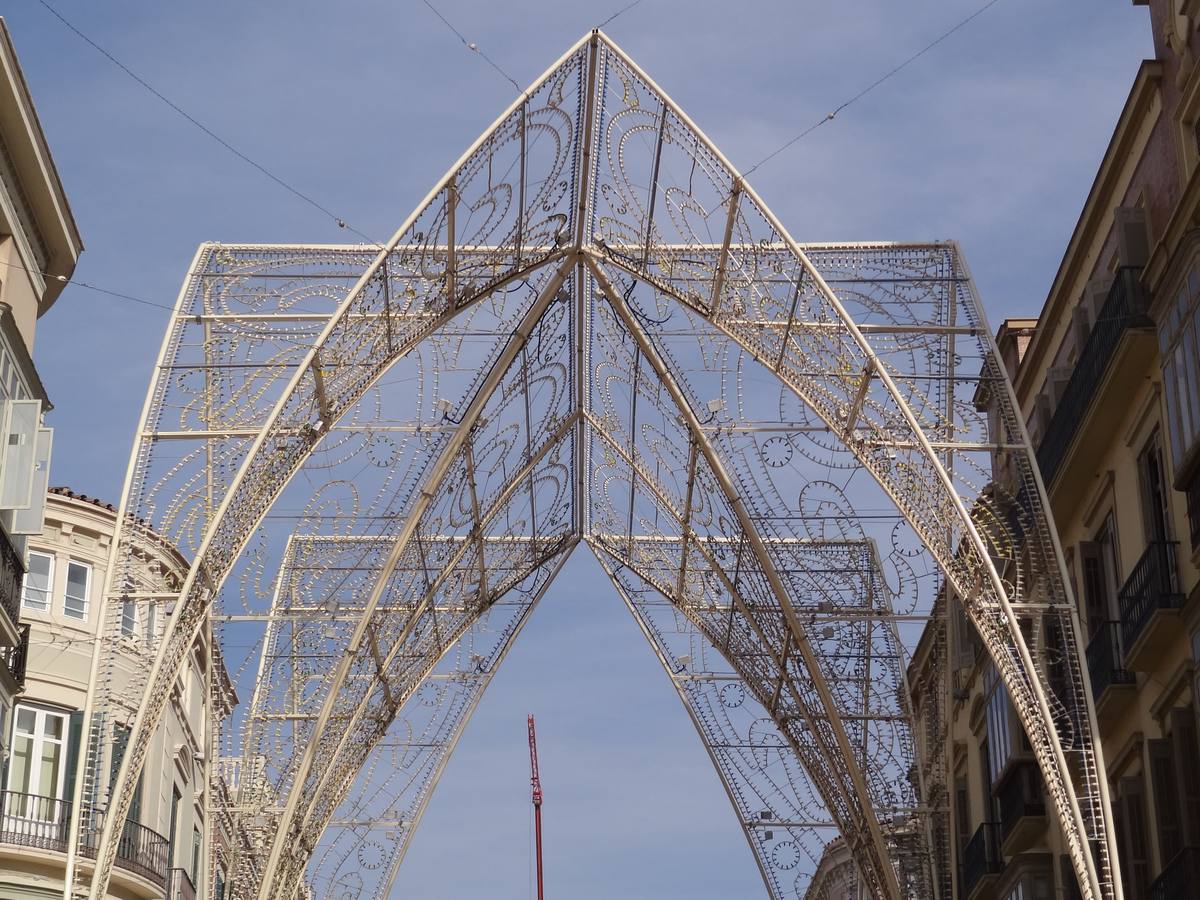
(981, 863)
(1179, 878)
(1123, 310)
(1022, 807)
(1112, 685)
(179, 886)
(12, 573)
(43, 823)
(13, 659)
(1150, 602)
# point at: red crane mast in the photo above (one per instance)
(537, 803)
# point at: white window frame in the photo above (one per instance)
(1179, 350)
(129, 619)
(41, 713)
(87, 590)
(49, 598)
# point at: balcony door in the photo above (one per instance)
(1098, 561)
(1156, 515)
(34, 811)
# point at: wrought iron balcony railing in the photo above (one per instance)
(43, 823)
(1152, 585)
(15, 658)
(981, 857)
(12, 574)
(1180, 878)
(1104, 659)
(1020, 796)
(1124, 308)
(180, 886)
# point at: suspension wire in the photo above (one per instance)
(619, 12)
(341, 222)
(63, 279)
(829, 117)
(472, 46)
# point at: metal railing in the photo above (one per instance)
(1180, 878)
(1019, 796)
(1152, 585)
(981, 857)
(43, 823)
(180, 886)
(1124, 308)
(1104, 659)
(12, 575)
(15, 658)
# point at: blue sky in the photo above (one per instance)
(992, 138)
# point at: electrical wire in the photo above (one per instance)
(619, 12)
(341, 222)
(829, 117)
(472, 46)
(63, 279)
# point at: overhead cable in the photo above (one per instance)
(340, 221)
(829, 117)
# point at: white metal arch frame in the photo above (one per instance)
(555, 183)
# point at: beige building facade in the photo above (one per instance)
(1108, 378)
(39, 246)
(164, 847)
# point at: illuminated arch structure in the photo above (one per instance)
(593, 331)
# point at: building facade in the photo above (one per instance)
(1108, 379)
(164, 846)
(39, 246)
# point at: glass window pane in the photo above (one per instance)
(19, 768)
(35, 593)
(128, 618)
(48, 765)
(1192, 373)
(1181, 389)
(53, 727)
(26, 720)
(75, 601)
(1173, 426)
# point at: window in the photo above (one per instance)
(75, 600)
(36, 766)
(219, 884)
(1000, 742)
(151, 623)
(128, 618)
(35, 593)
(196, 843)
(1098, 565)
(174, 826)
(3, 732)
(1177, 343)
(1156, 513)
(1133, 837)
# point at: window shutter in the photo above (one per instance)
(1095, 585)
(1166, 799)
(1136, 864)
(1187, 772)
(964, 646)
(962, 815)
(1133, 238)
(74, 736)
